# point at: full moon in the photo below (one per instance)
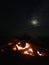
(35, 22)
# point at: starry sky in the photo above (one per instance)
(17, 18)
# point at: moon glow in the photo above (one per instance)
(34, 22)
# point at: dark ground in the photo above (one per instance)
(24, 60)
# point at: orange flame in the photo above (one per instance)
(22, 48)
(14, 48)
(40, 54)
(30, 49)
(25, 50)
(29, 52)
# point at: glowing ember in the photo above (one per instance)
(19, 43)
(40, 54)
(9, 44)
(2, 50)
(14, 48)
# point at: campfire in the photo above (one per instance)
(28, 50)
(25, 50)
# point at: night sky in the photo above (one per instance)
(17, 18)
